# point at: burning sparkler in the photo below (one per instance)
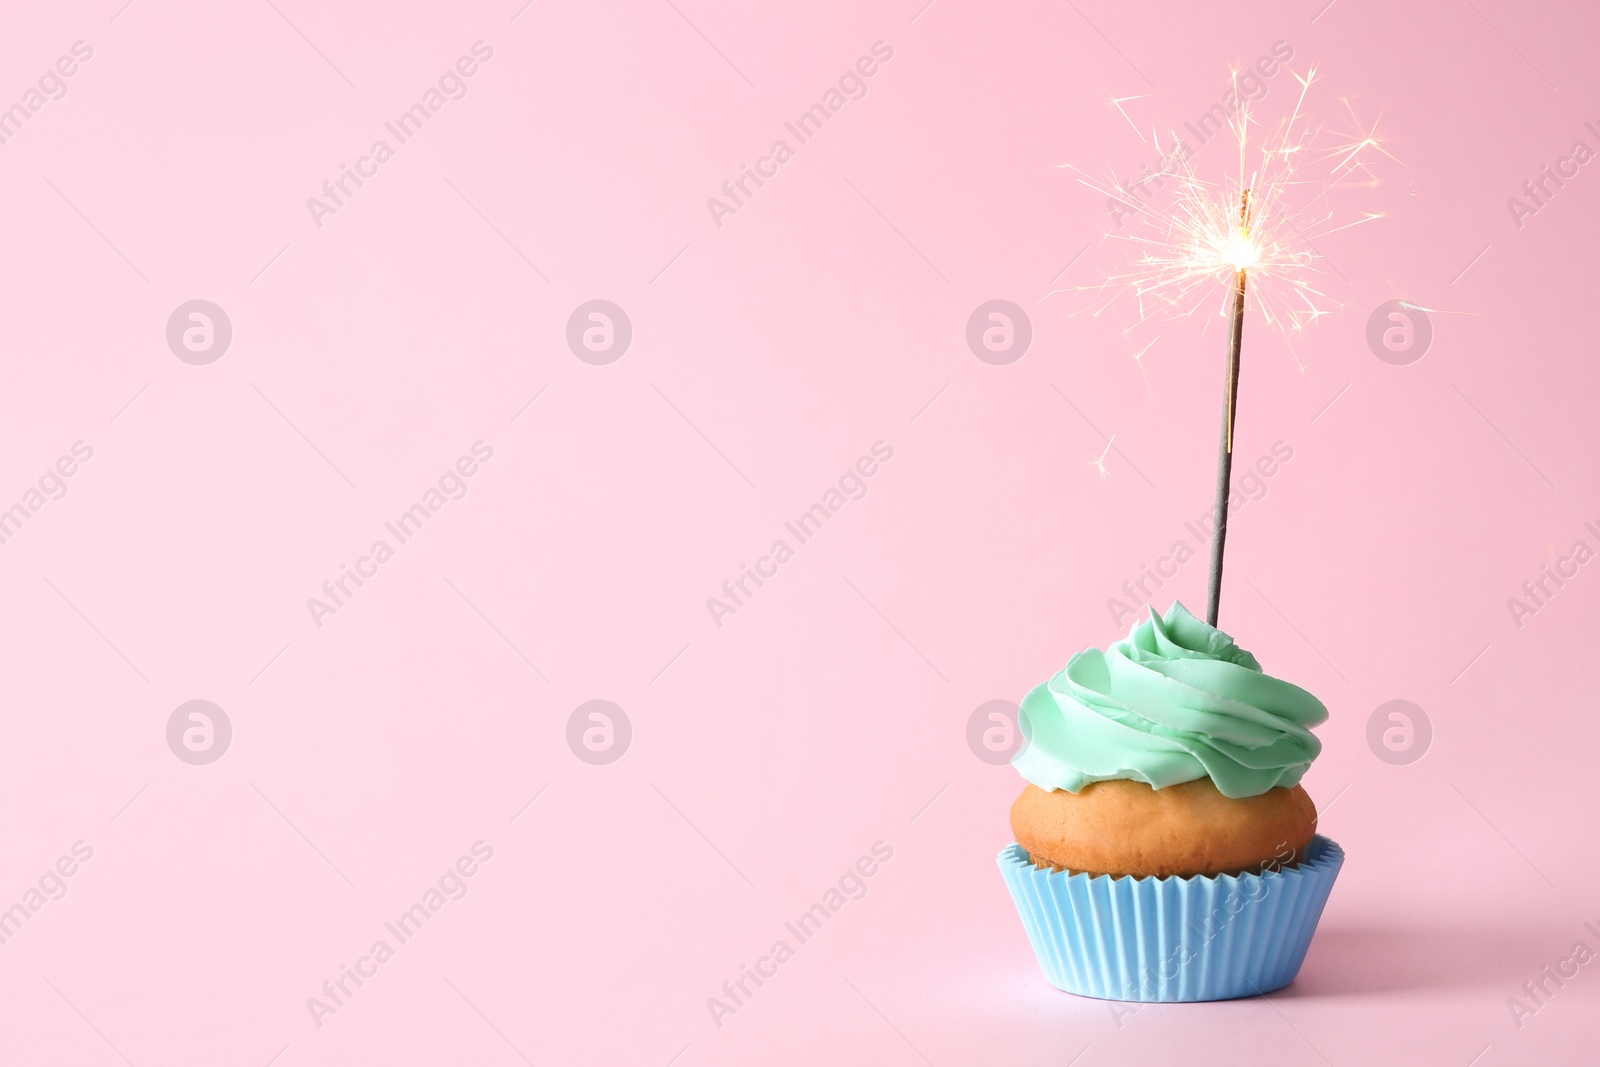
(1213, 238)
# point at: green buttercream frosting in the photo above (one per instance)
(1174, 702)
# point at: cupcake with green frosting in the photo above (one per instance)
(1164, 848)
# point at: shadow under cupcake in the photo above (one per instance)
(1164, 849)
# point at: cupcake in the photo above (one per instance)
(1164, 848)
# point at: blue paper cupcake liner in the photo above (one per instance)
(1165, 940)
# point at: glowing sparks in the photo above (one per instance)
(1193, 236)
(1354, 151)
(1100, 464)
(1138, 359)
(1240, 253)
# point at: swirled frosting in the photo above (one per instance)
(1176, 701)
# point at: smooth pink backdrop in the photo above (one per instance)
(767, 355)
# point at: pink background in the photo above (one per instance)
(768, 354)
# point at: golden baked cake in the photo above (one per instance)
(1126, 827)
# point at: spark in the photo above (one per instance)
(1138, 359)
(1117, 103)
(1100, 464)
(1353, 151)
(1436, 311)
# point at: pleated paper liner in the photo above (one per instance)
(1166, 940)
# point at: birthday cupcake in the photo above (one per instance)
(1164, 848)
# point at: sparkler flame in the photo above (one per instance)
(1194, 236)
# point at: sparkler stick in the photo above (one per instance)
(1199, 240)
(1230, 407)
